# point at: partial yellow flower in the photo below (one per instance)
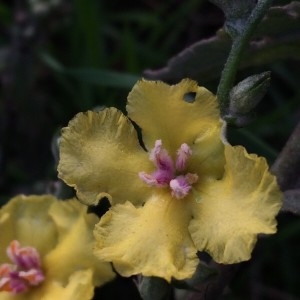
(189, 191)
(46, 250)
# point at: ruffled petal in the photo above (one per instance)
(233, 210)
(162, 112)
(72, 222)
(20, 216)
(78, 287)
(152, 240)
(101, 157)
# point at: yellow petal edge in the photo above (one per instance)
(162, 112)
(235, 209)
(100, 156)
(152, 240)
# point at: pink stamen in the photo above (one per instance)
(24, 273)
(156, 150)
(159, 178)
(147, 178)
(161, 158)
(16, 285)
(5, 284)
(182, 156)
(26, 257)
(5, 269)
(191, 178)
(33, 277)
(180, 187)
(165, 174)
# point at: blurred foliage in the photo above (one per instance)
(59, 57)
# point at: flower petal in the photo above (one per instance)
(79, 287)
(75, 234)
(100, 156)
(152, 240)
(232, 211)
(20, 216)
(162, 113)
(207, 159)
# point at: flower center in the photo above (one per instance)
(24, 272)
(166, 174)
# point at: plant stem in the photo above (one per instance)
(237, 48)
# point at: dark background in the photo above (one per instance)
(57, 58)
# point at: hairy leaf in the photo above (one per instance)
(291, 202)
(236, 13)
(154, 288)
(277, 37)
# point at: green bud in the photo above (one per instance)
(247, 94)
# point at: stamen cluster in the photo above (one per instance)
(25, 271)
(166, 174)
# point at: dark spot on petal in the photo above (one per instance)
(140, 137)
(189, 97)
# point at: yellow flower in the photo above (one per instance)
(190, 191)
(46, 250)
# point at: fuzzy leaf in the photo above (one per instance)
(277, 37)
(154, 288)
(291, 201)
(202, 274)
(236, 13)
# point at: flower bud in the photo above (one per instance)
(247, 94)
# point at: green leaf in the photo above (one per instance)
(5, 13)
(277, 37)
(93, 76)
(104, 77)
(88, 19)
(51, 62)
